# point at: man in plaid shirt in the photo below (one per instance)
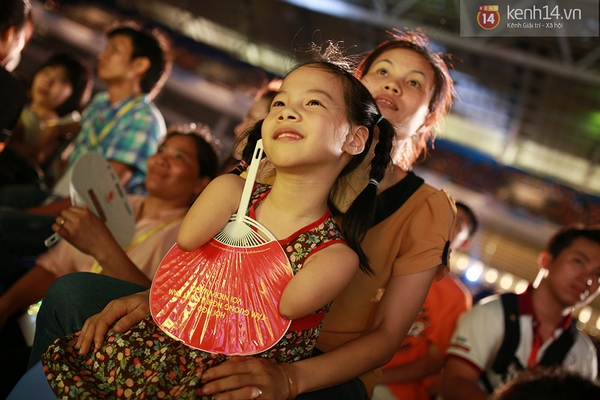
(122, 124)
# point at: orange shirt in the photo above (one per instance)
(446, 301)
(411, 240)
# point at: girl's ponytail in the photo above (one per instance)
(361, 214)
(252, 135)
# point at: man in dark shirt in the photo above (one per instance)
(13, 94)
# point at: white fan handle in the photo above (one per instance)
(249, 185)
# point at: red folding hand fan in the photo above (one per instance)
(224, 296)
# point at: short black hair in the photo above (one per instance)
(79, 76)
(548, 384)
(567, 235)
(153, 45)
(473, 220)
(15, 13)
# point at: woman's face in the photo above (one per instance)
(402, 82)
(257, 111)
(174, 171)
(51, 87)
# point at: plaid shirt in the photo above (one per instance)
(133, 138)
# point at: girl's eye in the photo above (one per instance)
(314, 103)
(414, 83)
(277, 103)
(382, 71)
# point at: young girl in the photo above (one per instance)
(406, 247)
(319, 128)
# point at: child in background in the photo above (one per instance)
(60, 88)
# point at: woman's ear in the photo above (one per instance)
(356, 140)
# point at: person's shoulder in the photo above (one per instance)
(145, 106)
(228, 181)
(100, 97)
(584, 341)
(144, 102)
(432, 203)
(98, 102)
(10, 80)
(489, 305)
(434, 195)
(10, 83)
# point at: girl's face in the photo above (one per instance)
(307, 120)
(402, 82)
(51, 87)
(174, 171)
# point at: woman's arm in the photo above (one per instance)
(90, 235)
(400, 304)
(460, 381)
(124, 313)
(403, 297)
(431, 363)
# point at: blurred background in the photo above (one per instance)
(521, 146)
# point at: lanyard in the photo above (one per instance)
(97, 268)
(537, 343)
(108, 127)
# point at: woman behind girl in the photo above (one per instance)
(406, 246)
(60, 88)
(320, 126)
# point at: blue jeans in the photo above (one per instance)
(71, 300)
(75, 297)
(33, 385)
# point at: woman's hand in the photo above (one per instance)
(242, 378)
(83, 229)
(126, 311)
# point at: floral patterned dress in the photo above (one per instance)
(146, 363)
